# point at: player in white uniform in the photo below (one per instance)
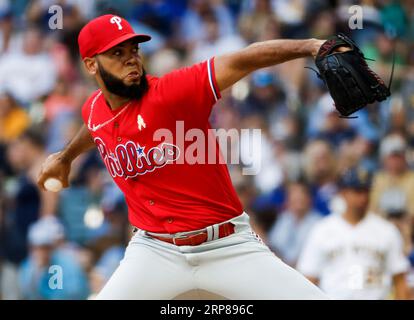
(356, 254)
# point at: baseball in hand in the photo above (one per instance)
(53, 184)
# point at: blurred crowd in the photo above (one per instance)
(305, 145)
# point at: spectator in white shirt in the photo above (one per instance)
(30, 74)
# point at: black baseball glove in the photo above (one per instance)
(351, 83)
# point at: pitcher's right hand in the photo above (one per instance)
(54, 167)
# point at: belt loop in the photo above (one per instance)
(215, 231)
(209, 233)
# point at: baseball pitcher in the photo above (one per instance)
(190, 230)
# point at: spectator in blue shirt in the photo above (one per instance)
(52, 270)
(292, 227)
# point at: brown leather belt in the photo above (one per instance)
(198, 238)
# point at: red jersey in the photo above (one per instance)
(164, 192)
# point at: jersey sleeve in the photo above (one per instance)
(310, 261)
(396, 260)
(189, 93)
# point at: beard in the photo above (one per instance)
(116, 86)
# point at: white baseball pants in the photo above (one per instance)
(237, 267)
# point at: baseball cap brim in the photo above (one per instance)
(139, 37)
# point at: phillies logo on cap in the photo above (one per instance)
(104, 33)
(117, 20)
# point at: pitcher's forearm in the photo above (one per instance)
(81, 143)
(231, 67)
(268, 53)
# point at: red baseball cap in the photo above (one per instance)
(105, 32)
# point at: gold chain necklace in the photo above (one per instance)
(94, 128)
